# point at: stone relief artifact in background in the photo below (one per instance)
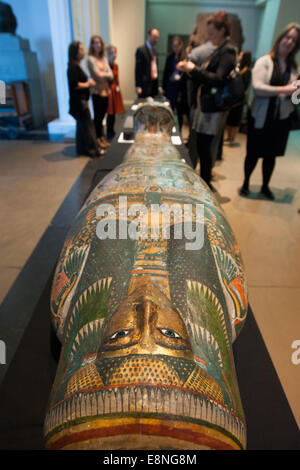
(199, 35)
(19, 68)
(8, 21)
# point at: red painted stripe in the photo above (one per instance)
(149, 271)
(147, 429)
(200, 360)
(89, 355)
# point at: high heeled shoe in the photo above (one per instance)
(266, 192)
(244, 191)
(103, 142)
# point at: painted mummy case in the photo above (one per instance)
(146, 318)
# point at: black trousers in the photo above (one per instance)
(150, 88)
(86, 141)
(204, 151)
(110, 123)
(100, 105)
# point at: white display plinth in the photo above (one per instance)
(61, 130)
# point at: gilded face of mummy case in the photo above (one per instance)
(148, 296)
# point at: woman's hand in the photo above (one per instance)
(91, 82)
(185, 66)
(287, 90)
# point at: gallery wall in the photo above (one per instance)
(178, 17)
(289, 11)
(127, 20)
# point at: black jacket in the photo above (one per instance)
(143, 79)
(214, 75)
(168, 70)
(78, 96)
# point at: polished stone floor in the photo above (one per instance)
(35, 177)
(35, 183)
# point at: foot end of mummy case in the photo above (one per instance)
(148, 296)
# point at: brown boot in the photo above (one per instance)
(103, 142)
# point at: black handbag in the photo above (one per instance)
(232, 92)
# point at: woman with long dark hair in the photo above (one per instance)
(102, 74)
(79, 89)
(270, 118)
(211, 76)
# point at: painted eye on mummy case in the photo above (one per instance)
(169, 333)
(119, 334)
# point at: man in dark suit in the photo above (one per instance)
(146, 69)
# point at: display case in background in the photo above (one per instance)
(15, 113)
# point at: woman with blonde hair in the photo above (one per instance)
(269, 121)
(100, 71)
